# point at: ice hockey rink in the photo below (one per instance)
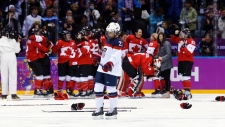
(145, 112)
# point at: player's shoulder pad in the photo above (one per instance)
(118, 42)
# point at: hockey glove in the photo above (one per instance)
(107, 67)
(185, 105)
(96, 60)
(77, 106)
(220, 98)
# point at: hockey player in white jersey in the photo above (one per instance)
(8, 47)
(108, 72)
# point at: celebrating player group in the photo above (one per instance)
(104, 63)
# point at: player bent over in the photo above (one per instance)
(135, 66)
(186, 47)
(108, 72)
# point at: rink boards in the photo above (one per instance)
(207, 76)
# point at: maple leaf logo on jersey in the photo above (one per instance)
(135, 49)
(68, 52)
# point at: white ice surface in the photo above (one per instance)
(150, 113)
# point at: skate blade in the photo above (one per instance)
(98, 117)
(111, 117)
(156, 95)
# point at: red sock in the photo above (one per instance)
(46, 84)
(84, 86)
(38, 84)
(156, 84)
(50, 83)
(71, 85)
(67, 84)
(186, 84)
(79, 86)
(60, 84)
(91, 84)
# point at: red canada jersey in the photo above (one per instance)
(154, 46)
(74, 56)
(95, 50)
(64, 50)
(103, 40)
(186, 50)
(84, 53)
(143, 60)
(33, 47)
(136, 45)
(125, 49)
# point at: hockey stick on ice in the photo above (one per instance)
(51, 111)
(33, 104)
(118, 108)
(29, 99)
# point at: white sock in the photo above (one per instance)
(113, 102)
(99, 102)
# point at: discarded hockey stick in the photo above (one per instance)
(33, 104)
(29, 99)
(117, 108)
(51, 111)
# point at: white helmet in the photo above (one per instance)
(113, 27)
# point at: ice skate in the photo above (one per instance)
(70, 93)
(50, 92)
(156, 94)
(38, 93)
(98, 114)
(78, 94)
(4, 97)
(15, 97)
(112, 114)
(187, 94)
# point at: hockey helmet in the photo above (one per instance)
(81, 36)
(34, 31)
(87, 30)
(65, 35)
(185, 33)
(95, 33)
(112, 30)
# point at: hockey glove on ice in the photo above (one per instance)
(185, 105)
(220, 98)
(77, 106)
(107, 67)
(96, 60)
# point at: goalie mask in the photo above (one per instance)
(65, 35)
(185, 33)
(112, 30)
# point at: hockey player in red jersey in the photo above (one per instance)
(108, 72)
(124, 79)
(84, 63)
(136, 43)
(45, 61)
(137, 65)
(32, 55)
(95, 51)
(186, 47)
(64, 49)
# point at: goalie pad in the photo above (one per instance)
(60, 96)
(135, 83)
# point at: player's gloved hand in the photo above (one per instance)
(107, 67)
(220, 98)
(77, 106)
(96, 60)
(49, 51)
(185, 105)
